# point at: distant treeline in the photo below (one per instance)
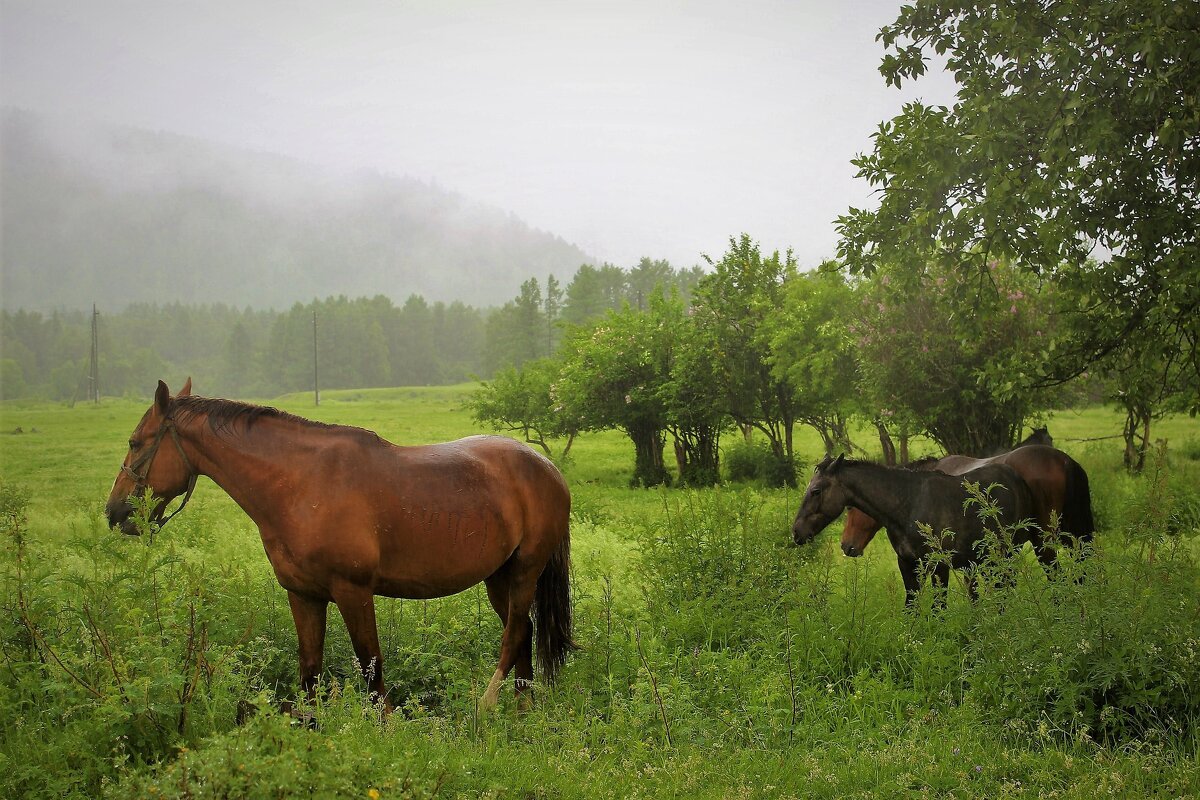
(359, 342)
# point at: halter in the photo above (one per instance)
(146, 459)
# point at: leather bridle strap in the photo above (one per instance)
(147, 460)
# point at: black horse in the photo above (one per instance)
(904, 499)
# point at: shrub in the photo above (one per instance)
(272, 757)
(1112, 655)
(116, 653)
(750, 461)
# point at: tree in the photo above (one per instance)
(1145, 385)
(12, 379)
(612, 377)
(458, 336)
(240, 367)
(813, 350)
(519, 400)
(733, 304)
(411, 343)
(552, 310)
(516, 333)
(1076, 132)
(695, 403)
(593, 291)
(937, 349)
(650, 278)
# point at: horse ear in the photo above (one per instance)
(824, 463)
(837, 462)
(162, 398)
(186, 391)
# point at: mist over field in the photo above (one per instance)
(115, 215)
(265, 154)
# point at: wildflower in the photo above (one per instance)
(373, 793)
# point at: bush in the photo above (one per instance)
(750, 461)
(116, 652)
(744, 460)
(272, 757)
(1112, 655)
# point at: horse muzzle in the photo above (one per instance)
(120, 515)
(851, 550)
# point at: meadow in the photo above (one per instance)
(716, 660)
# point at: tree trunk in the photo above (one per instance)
(885, 442)
(698, 454)
(1137, 436)
(648, 469)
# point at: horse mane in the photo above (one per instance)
(923, 461)
(222, 413)
(915, 466)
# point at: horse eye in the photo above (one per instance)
(133, 445)
(816, 490)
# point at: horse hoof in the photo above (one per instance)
(488, 702)
(306, 720)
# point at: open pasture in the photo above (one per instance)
(717, 661)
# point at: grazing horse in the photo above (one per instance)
(345, 516)
(903, 499)
(1062, 501)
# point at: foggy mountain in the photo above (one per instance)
(118, 215)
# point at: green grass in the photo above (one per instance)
(716, 661)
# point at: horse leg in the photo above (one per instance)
(912, 580)
(357, 606)
(497, 592)
(309, 615)
(516, 644)
(941, 585)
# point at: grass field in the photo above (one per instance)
(716, 661)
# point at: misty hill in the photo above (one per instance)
(118, 215)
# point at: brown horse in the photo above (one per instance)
(345, 516)
(1062, 500)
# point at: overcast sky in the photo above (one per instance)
(629, 128)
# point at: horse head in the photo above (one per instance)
(165, 472)
(823, 501)
(857, 533)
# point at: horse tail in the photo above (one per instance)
(1077, 520)
(552, 608)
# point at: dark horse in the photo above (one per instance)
(345, 516)
(903, 499)
(1062, 501)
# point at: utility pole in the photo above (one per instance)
(94, 368)
(316, 373)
